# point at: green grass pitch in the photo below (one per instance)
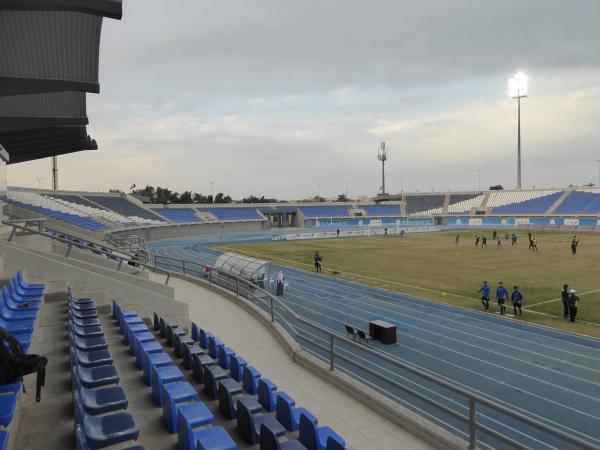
(431, 265)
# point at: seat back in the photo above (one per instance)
(268, 440)
(202, 338)
(226, 403)
(334, 444)
(361, 334)
(213, 346)
(308, 433)
(81, 439)
(244, 421)
(265, 389)
(236, 367)
(195, 332)
(249, 377)
(283, 410)
(79, 412)
(222, 357)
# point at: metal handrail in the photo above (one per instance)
(474, 400)
(71, 242)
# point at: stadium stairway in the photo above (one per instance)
(559, 201)
(361, 427)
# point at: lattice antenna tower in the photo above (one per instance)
(382, 156)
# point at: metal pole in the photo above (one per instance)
(55, 173)
(383, 176)
(472, 424)
(519, 142)
(332, 352)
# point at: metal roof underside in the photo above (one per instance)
(48, 60)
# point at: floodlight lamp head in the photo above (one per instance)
(517, 85)
(382, 153)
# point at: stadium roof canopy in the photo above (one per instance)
(49, 60)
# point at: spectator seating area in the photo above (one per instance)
(124, 207)
(580, 201)
(180, 215)
(424, 205)
(314, 212)
(86, 207)
(48, 207)
(522, 202)
(262, 415)
(229, 214)
(382, 210)
(18, 315)
(463, 203)
(99, 403)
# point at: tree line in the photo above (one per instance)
(163, 196)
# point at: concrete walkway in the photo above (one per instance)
(362, 428)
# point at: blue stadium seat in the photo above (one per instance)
(195, 332)
(228, 402)
(86, 332)
(130, 328)
(250, 380)
(267, 394)
(204, 336)
(187, 354)
(223, 355)
(236, 367)
(190, 416)
(93, 377)
(88, 344)
(288, 415)
(180, 215)
(179, 342)
(101, 400)
(162, 376)
(151, 360)
(215, 375)
(199, 361)
(7, 408)
(102, 431)
(4, 439)
(213, 346)
(173, 329)
(249, 425)
(231, 214)
(145, 347)
(269, 441)
(10, 388)
(215, 438)
(316, 438)
(28, 286)
(174, 394)
(91, 359)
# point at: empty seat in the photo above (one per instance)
(187, 353)
(199, 361)
(190, 416)
(92, 377)
(315, 438)
(7, 408)
(162, 376)
(223, 355)
(89, 344)
(172, 395)
(180, 341)
(288, 415)
(102, 431)
(145, 347)
(213, 375)
(214, 439)
(249, 425)
(213, 346)
(250, 380)
(269, 441)
(228, 402)
(195, 332)
(101, 400)
(267, 395)
(91, 359)
(236, 367)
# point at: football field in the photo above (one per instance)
(433, 266)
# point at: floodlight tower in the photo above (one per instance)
(517, 89)
(382, 156)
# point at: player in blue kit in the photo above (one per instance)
(485, 295)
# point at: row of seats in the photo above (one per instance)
(18, 313)
(87, 207)
(424, 204)
(580, 201)
(124, 207)
(98, 400)
(181, 410)
(262, 414)
(180, 215)
(228, 214)
(463, 203)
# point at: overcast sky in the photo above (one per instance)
(276, 97)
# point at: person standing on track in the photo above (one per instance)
(501, 296)
(483, 241)
(318, 262)
(485, 296)
(573, 304)
(517, 300)
(564, 296)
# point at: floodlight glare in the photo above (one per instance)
(517, 85)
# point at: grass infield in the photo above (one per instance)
(431, 265)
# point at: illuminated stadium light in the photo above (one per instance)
(517, 85)
(517, 89)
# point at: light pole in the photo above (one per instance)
(517, 89)
(479, 180)
(382, 156)
(212, 191)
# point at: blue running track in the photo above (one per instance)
(545, 374)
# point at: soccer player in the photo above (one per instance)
(573, 304)
(574, 244)
(318, 262)
(485, 296)
(494, 235)
(534, 244)
(337, 232)
(564, 296)
(501, 296)
(514, 239)
(516, 299)
(457, 239)
(483, 241)
(530, 241)
(476, 240)
(499, 246)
